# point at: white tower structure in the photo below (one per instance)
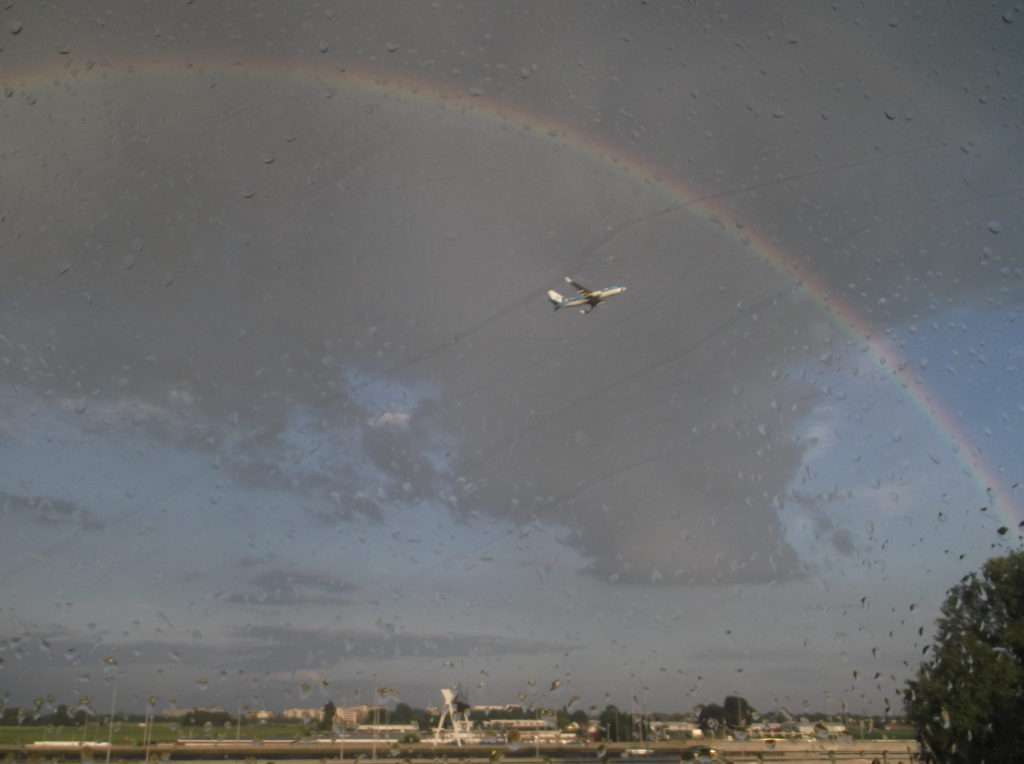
(457, 710)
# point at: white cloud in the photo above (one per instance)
(391, 419)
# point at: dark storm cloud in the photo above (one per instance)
(48, 511)
(347, 441)
(698, 504)
(369, 276)
(283, 587)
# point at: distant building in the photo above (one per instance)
(830, 730)
(303, 714)
(507, 708)
(260, 716)
(766, 729)
(353, 716)
(518, 724)
(388, 731)
(667, 730)
(548, 736)
(180, 713)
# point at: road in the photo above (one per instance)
(796, 752)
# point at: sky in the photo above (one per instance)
(285, 415)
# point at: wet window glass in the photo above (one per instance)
(534, 379)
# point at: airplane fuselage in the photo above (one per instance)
(586, 299)
(593, 297)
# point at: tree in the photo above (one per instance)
(712, 718)
(330, 710)
(967, 701)
(402, 714)
(10, 715)
(617, 725)
(61, 718)
(737, 711)
(562, 719)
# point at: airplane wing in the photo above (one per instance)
(577, 286)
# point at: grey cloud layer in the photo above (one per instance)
(47, 511)
(280, 587)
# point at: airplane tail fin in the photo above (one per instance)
(556, 299)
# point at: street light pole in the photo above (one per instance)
(110, 727)
(145, 735)
(376, 715)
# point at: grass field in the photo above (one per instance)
(130, 733)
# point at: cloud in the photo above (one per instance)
(356, 461)
(231, 661)
(48, 511)
(842, 541)
(391, 419)
(288, 643)
(281, 587)
(697, 505)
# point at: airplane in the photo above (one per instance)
(587, 300)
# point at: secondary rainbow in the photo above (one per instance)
(403, 87)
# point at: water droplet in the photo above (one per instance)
(890, 115)
(15, 27)
(994, 226)
(324, 47)
(391, 46)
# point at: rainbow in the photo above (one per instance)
(404, 88)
